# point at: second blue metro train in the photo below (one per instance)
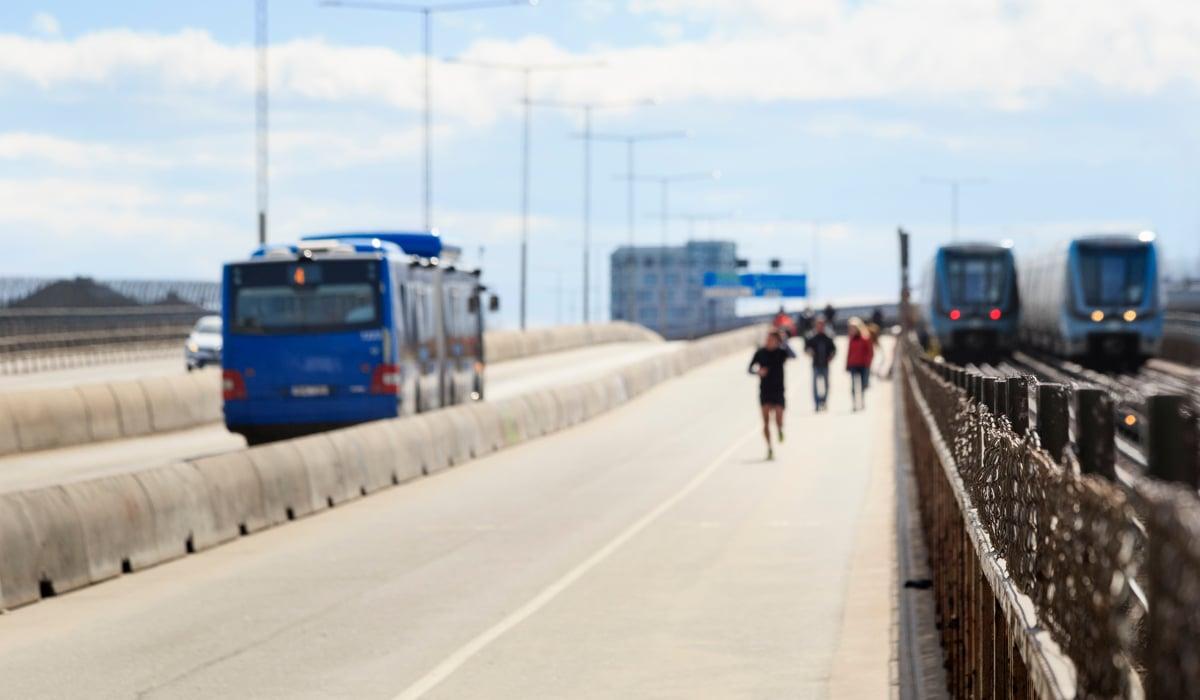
(340, 329)
(1094, 298)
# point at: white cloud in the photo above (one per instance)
(1007, 53)
(843, 125)
(45, 24)
(86, 209)
(24, 146)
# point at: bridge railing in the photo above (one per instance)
(1051, 582)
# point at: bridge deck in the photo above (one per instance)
(647, 553)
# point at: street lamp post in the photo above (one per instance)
(631, 141)
(427, 11)
(261, 125)
(955, 184)
(526, 70)
(665, 182)
(588, 107)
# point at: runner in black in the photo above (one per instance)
(768, 365)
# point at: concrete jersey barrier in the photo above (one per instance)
(56, 539)
(62, 417)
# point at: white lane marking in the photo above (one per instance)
(464, 653)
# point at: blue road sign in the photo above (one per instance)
(723, 285)
(775, 285)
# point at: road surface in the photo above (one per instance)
(21, 471)
(648, 553)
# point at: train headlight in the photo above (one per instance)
(1130, 420)
(1097, 315)
(1130, 316)
(955, 314)
(995, 314)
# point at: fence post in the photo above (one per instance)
(1172, 439)
(1018, 403)
(1094, 432)
(1053, 419)
(989, 393)
(1000, 406)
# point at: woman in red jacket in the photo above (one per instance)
(858, 362)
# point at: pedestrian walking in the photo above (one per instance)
(859, 354)
(768, 363)
(821, 349)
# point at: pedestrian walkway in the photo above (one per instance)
(649, 553)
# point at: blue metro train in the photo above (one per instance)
(1095, 298)
(345, 328)
(969, 302)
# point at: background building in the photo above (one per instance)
(663, 287)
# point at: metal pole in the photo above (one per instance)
(1171, 434)
(1018, 404)
(1095, 432)
(525, 148)
(1053, 418)
(629, 195)
(261, 104)
(587, 206)
(426, 16)
(954, 211)
(662, 262)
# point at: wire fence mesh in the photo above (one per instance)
(1050, 582)
(60, 323)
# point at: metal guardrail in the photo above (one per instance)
(1053, 579)
(42, 352)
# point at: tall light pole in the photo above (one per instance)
(955, 184)
(427, 11)
(631, 141)
(587, 108)
(261, 125)
(526, 70)
(665, 182)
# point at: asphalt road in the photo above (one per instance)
(34, 469)
(649, 553)
(168, 364)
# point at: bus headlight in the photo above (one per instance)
(1130, 316)
(1097, 315)
(193, 347)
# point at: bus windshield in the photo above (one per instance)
(305, 297)
(1113, 276)
(976, 279)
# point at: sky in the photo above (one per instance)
(127, 131)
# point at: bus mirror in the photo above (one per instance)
(473, 305)
(494, 303)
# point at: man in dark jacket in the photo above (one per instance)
(819, 346)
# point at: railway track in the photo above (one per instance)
(1129, 391)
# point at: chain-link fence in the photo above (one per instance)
(59, 323)
(1052, 580)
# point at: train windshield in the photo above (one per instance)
(305, 297)
(976, 278)
(1113, 276)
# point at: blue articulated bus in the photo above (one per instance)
(970, 303)
(1094, 298)
(339, 329)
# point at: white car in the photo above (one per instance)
(203, 346)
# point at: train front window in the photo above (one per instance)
(309, 297)
(976, 279)
(1112, 276)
